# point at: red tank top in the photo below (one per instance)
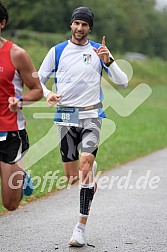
(10, 85)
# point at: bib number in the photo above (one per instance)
(67, 116)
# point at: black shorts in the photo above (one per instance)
(84, 138)
(14, 147)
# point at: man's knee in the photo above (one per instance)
(86, 175)
(72, 179)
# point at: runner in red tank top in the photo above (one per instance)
(10, 85)
(16, 69)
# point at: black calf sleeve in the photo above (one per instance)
(86, 197)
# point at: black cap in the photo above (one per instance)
(3, 12)
(84, 14)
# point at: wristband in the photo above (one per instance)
(20, 102)
(109, 63)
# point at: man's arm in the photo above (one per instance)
(45, 72)
(28, 73)
(117, 75)
(23, 64)
(114, 71)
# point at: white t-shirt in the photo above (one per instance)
(78, 75)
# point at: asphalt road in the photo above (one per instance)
(128, 214)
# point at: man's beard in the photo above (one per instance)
(79, 38)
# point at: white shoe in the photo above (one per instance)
(77, 239)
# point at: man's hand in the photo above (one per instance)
(104, 53)
(53, 98)
(14, 104)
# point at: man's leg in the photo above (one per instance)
(11, 185)
(89, 136)
(87, 185)
(71, 139)
(71, 171)
(15, 181)
(68, 141)
(89, 147)
(87, 190)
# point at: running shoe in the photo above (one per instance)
(28, 186)
(77, 239)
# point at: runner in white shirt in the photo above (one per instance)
(77, 65)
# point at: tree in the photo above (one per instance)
(130, 25)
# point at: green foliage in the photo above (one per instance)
(151, 71)
(130, 25)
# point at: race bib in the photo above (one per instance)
(67, 116)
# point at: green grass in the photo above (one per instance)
(142, 132)
(151, 71)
